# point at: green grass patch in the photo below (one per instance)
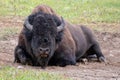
(10, 73)
(76, 11)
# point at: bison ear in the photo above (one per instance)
(28, 23)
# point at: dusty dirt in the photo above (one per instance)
(110, 45)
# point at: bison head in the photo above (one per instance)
(46, 32)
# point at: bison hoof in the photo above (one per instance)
(23, 61)
(84, 61)
(102, 59)
(26, 61)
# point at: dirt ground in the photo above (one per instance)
(110, 45)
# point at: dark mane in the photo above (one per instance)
(47, 17)
(44, 22)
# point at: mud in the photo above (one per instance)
(110, 45)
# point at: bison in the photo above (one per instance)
(47, 39)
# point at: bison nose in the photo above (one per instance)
(44, 50)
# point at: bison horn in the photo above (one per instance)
(27, 24)
(61, 26)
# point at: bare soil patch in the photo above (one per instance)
(109, 42)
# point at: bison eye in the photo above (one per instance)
(45, 40)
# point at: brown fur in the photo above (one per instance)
(77, 42)
(45, 9)
(22, 42)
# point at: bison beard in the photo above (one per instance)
(43, 62)
(47, 39)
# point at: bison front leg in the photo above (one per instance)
(96, 49)
(21, 56)
(64, 59)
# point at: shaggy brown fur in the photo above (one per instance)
(74, 42)
(43, 8)
(23, 39)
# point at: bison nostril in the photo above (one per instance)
(44, 50)
(40, 49)
(47, 50)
